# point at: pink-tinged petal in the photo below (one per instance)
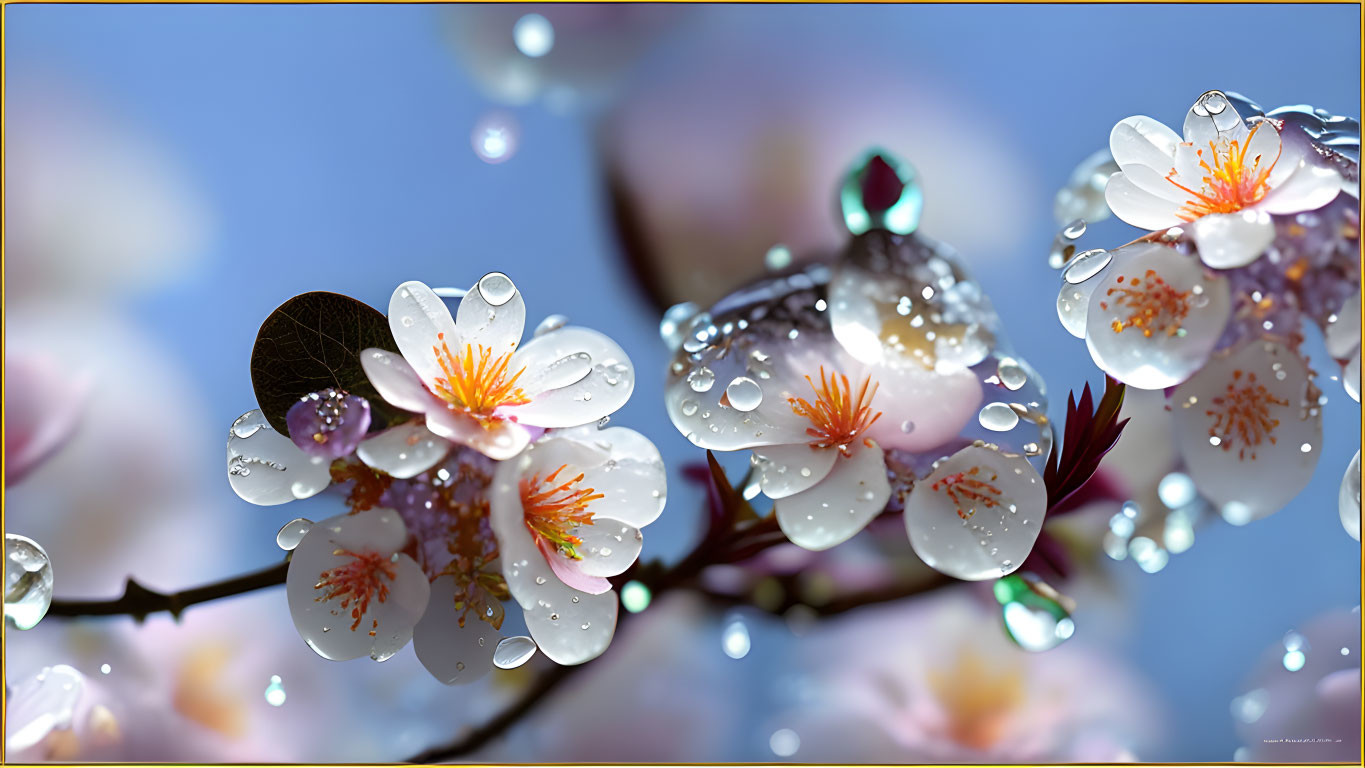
(573, 376)
(492, 314)
(569, 571)
(1139, 207)
(786, 470)
(44, 405)
(498, 439)
(1142, 141)
(395, 380)
(1231, 240)
(922, 409)
(855, 491)
(1306, 189)
(609, 547)
(420, 321)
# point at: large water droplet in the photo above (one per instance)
(496, 288)
(512, 652)
(28, 582)
(1010, 373)
(292, 533)
(744, 394)
(1086, 265)
(247, 424)
(998, 417)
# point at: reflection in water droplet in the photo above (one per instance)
(512, 652)
(28, 582)
(998, 417)
(292, 533)
(675, 322)
(744, 394)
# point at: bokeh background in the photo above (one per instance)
(174, 173)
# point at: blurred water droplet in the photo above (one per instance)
(784, 742)
(533, 35)
(1249, 707)
(274, 693)
(744, 394)
(292, 533)
(494, 138)
(778, 258)
(28, 582)
(1036, 616)
(1176, 490)
(512, 652)
(735, 638)
(635, 597)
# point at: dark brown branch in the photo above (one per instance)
(139, 602)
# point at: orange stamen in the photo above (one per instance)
(356, 582)
(477, 383)
(1231, 184)
(966, 488)
(1155, 305)
(553, 511)
(836, 417)
(1243, 413)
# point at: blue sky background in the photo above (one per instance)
(332, 144)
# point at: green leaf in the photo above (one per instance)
(312, 342)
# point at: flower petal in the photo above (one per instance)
(571, 627)
(574, 376)
(1137, 206)
(499, 439)
(921, 409)
(1140, 140)
(631, 478)
(855, 491)
(491, 314)
(1306, 189)
(419, 321)
(395, 380)
(786, 470)
(570, 571)
(1231, 240)
(404, 451)
(453, 654)
(1343, 334)
(977, 515)
(1247, 430)
(340, 631)
(266, 468)
(1154, 351)
(609, 546)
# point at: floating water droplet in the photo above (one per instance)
(998, 417)
(274, 693)
(701, 379)
(1176, 490)
(734, 639)
(778, 258)
(28, 582)
(744, 394)
(292, 533)
(1074, 230)
(512, 652)
(551, 323)
(494, 138)
(533, 35)
(784, 742)
(1086, 265)
(635, 597)
(496, 288)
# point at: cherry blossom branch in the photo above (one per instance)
(138, 601)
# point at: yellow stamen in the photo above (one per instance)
(477, 382)
(1231, 183)
(553, 511)
(836, 416)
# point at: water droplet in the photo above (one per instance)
(292, 533)
(551, 323)
(274, 693)
(689, 407)
(494, 138)
(744, 394)
(1176, 490)
(28, 582)
(701, 379)
(1010, 373)
(1086, 265)
(496, 288)
(675, 322)
(533, 35)
(246, 425)
(907, 426)
(998, 417)
(778, 258)
(512, 652)
(784, 742)
(635, 597)
(1074, 230)
(734, 640)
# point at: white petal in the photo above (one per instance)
(1177, 346)
(420, 321)
(571, 627)
(631, 478)
(841, 505)
(609, 546)
(404, 451)
(922, 409)
(324, 624)
(1350, 376)
(492, 314)
(784, 470)
(1137, 206)
(1230, 240)
(1143, 141)
(1306, 189)
(1343, 334)
(499, 439)
(453, 654)
(599, 381)
(988, 530)
(1348, 499)
(395, 380)
(265, 467)
(1262, 468)
(1159, 183)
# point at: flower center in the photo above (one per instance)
(356, 582)
(979, 697)
(477, 382)
(1155, 307)
(1231, 183)
(970, 490)
(1243, 413)
(554, 509)
(837, 417)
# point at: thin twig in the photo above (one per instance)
(138, 601)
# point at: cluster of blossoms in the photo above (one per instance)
(490, 478)
(1254, 232)
(877, 383)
